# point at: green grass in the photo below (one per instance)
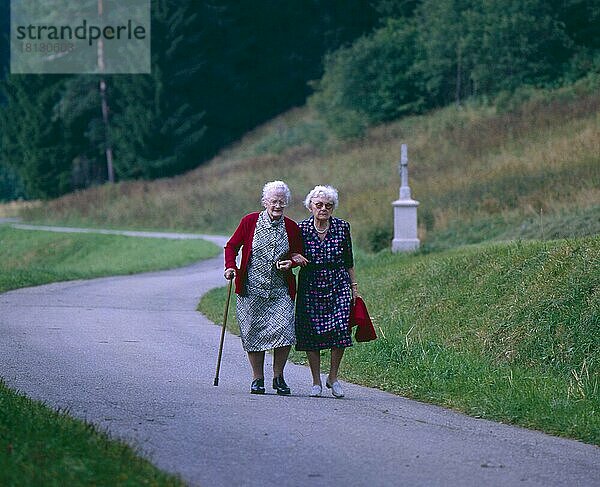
(577, 222)
(505, 331)
(39, 446)
(37, 257)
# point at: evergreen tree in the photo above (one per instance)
(581, 19)
(260, 55)
(4, 39)
(80, 114)
(11, 185)
(396, 9)
(31, 136)
(155, 129)
(219, 68)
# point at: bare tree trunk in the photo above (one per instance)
(105, 109)
(109, 157)
(458, 72)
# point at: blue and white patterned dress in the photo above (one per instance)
(324, 292)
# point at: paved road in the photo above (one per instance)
(131, 355)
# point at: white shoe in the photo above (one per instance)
(336, 389)
(316, 391)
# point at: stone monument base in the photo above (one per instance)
(405, 244)
(405, 226)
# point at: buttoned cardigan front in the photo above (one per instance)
(243, 236)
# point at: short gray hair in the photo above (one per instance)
(276, 187)
(326, 191)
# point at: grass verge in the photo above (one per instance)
(505, 331)
(40, 446)
(36, 257)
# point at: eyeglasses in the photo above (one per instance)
(320, 205)
(280, 203)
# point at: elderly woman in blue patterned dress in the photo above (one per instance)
(326, 287)
(265, 285)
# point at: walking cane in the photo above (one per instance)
(216, 383)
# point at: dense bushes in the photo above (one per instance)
(371, 81)
(446, 51)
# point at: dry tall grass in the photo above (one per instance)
(15, 208)
(466, 164)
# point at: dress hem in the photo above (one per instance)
(270, 347)
(316, 349)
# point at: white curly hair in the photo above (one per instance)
(325, 191)
(273, 188)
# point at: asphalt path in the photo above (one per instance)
(132, 355)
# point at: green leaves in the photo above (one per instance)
(371, 81)
(445, 51)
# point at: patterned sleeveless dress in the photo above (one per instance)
(324, 292)
(266, 312)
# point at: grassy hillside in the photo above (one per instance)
(505, 331)
(480, 174)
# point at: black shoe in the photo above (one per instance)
(258, 386)
(280, 386)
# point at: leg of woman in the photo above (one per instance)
(336, 359)
(257, 362)
(332, 382)
(280, 356)
(314, 361)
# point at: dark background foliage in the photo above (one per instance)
(431, 53)
(220, 68)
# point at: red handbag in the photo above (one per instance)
(359, 316)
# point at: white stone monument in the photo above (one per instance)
(405, 212)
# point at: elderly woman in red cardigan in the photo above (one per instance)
(265, 284)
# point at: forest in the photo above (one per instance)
(221, 68)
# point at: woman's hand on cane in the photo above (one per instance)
(229, 273)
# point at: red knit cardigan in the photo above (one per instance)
(243, 236)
